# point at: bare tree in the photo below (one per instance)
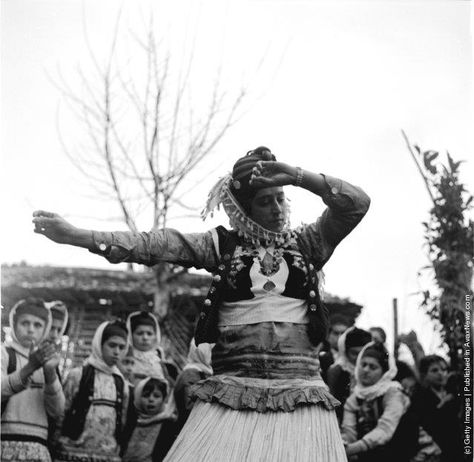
(144, 134)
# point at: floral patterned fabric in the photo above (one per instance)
(18, 451)
(98, 437)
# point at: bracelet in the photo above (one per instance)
(299, 176)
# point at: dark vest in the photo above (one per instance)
(11, 368)
(75, 417)
(207, 330)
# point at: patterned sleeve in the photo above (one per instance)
(188, 250)
(347, 205)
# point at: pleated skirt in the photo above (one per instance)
(217, 433)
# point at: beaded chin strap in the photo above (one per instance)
(238, 218)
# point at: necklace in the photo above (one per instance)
(269, 264)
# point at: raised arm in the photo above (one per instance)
(347, 204)
(190, 249)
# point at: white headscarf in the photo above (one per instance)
(14, 343)
(147, 359)
(342, 359)
(157, 328)
(58, 305)
(379, 388)
(199, 357)
(165, 413)
(96, 358)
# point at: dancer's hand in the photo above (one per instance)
(56, 228)
(53, 226)
(270, 173)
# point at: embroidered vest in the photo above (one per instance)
(207, 330)
(75, 417)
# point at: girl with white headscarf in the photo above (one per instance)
(96, 400)
(375, 426)
(145, 338)
(31, 391)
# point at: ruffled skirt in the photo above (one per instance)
(217, 433)
(266, 401)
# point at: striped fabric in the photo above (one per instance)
(214, 433)
(270, 350)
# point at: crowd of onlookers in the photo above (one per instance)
(128, 402)
(391, 410)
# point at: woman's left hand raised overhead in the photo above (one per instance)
(270, 173)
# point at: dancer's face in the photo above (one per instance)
(370, 371)
(144, 338)
(113, 350)
(29, 329)
(269, 208)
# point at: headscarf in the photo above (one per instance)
(36, 307)
(199, 357)
(59, 311)
(148, 361)
(138, 318)
(385, 383)
(96, 358)
(142, 318)
(165, 413)
(234, 190)
(350, 338)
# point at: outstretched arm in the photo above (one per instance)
(190, 249)
(56, 228)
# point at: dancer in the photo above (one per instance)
(266, 399)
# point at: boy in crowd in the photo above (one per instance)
(31, 390)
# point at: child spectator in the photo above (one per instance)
(340, 377)
(378, 335)
(438, 408)
(329, 349)
(407, 378)
(127, 365)
(154, 431)
(31, 390)
(96, 400)
(198, 367)
(376, 425)
(145, 338)
(59, 321)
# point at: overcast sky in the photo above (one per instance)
(338, 83)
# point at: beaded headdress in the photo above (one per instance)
(239, 220)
